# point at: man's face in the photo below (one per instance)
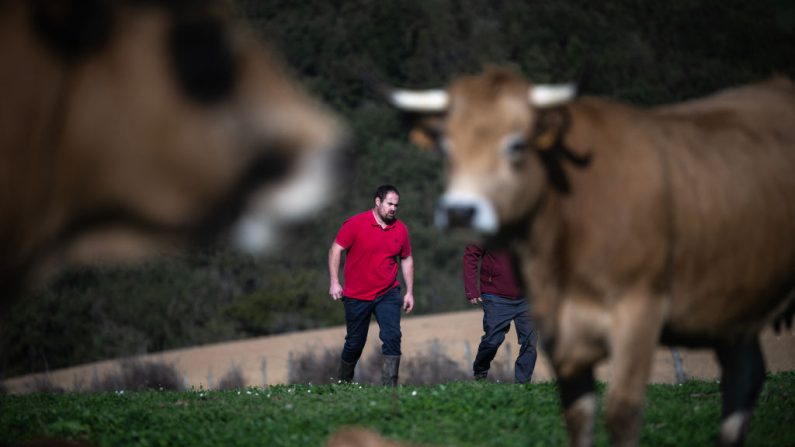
(387, 208)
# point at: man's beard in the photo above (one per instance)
(387, 218)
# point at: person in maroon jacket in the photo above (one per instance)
(503, 301)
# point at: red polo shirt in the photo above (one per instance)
(371, 262)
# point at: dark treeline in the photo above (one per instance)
(645, 52)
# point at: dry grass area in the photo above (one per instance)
(266, 360)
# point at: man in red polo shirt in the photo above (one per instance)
(375, 241)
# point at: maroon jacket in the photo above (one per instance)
(497, 275)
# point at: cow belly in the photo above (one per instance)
(733, 267)
(697, 320)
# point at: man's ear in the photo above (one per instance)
(426, 130)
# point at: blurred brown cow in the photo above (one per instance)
(632, 226)
(128, 127)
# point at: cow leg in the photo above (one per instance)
(578, 397)
(742, 376)
(634, 337)
(578, 345)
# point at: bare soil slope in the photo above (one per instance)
(265, 360)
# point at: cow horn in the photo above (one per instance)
(550, 95)
(426, 101)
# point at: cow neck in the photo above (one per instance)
(541, 246)
(545, 225)
(669, 208)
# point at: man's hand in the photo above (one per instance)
(334, 255)
(476, 300)
(335, 290)
(408, 302)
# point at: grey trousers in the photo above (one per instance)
(498, 312)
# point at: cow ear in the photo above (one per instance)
(426, 131)
(422, 139)
(550, 126)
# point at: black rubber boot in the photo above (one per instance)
(345, 373)
(389, 370)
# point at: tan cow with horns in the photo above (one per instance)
(131, 127)
(633, 226)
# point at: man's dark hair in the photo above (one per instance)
(383, 190)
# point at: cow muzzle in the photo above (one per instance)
(466, 211)
(298, 198)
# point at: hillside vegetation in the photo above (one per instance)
(644, 52)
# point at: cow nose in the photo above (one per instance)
(454, 216)
(460, 216)
(466, 210)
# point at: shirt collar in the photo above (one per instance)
(375, 223)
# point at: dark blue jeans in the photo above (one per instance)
(498, 312)
(386, 309)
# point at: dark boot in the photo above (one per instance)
(389, 370)
(345, 373)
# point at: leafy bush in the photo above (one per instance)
(430, 366)
(43, 383)
(290, 301)
(314, 366)
(137, 375)
(232, 380)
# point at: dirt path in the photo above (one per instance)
(265, 360)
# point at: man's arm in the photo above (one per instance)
(407, 267)
(469, 266)
(334, 256)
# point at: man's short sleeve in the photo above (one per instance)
(405, 251)
(347, 233)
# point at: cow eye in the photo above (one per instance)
(515, 147)
(444, 146)
(203, 61)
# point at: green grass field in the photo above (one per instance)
(454, 414)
